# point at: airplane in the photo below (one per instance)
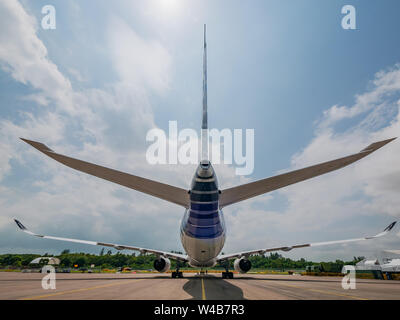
(393, 251)
(385, 265)
(203, 230)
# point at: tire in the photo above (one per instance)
(223, 275)
(173, 274)
(180, 275)
(230, 275)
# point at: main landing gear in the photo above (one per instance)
(227, 274)
(177, 273)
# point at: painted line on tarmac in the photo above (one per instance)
(203, 291)
(326, 292)
(79, 290)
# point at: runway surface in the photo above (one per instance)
(84, 286)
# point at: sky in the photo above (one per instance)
(93, 87)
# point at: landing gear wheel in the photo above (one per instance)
(177, 274)
(227, 275)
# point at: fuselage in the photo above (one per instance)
(203, 225)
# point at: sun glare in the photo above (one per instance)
(170, 7)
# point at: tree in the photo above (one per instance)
(66, 262)
(81, 261)
(65, 251)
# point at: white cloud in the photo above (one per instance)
(24, 55)
(384, 84)
(138, 61)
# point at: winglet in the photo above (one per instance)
(37, 145)
(384, 232)
(390, 227)
(377, 145)
(20, 225)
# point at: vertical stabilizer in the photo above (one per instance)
(204, 126)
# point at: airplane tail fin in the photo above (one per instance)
(204, 126)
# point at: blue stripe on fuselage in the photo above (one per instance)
(203, 219)
(198, 220)
(210, 232)
(199, 215)
(203, 224)
(204, 207)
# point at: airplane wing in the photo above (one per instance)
(174, 256)
(253, 189)
(317, 244)
(393, 251)
(157, 189)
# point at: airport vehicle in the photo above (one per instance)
(203, 228)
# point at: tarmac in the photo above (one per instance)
(142, 286)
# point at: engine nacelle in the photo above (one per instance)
(242, 265)
(162, 264)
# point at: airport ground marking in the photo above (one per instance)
(339, 294)
(80, 290)
(326, 292)
(203, 291)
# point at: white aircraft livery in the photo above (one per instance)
(203, 228)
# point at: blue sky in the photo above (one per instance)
(93, 87)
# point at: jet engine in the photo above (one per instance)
(162, 264)
(242, 265)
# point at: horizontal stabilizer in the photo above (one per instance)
(253, 189)
(157, 189)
